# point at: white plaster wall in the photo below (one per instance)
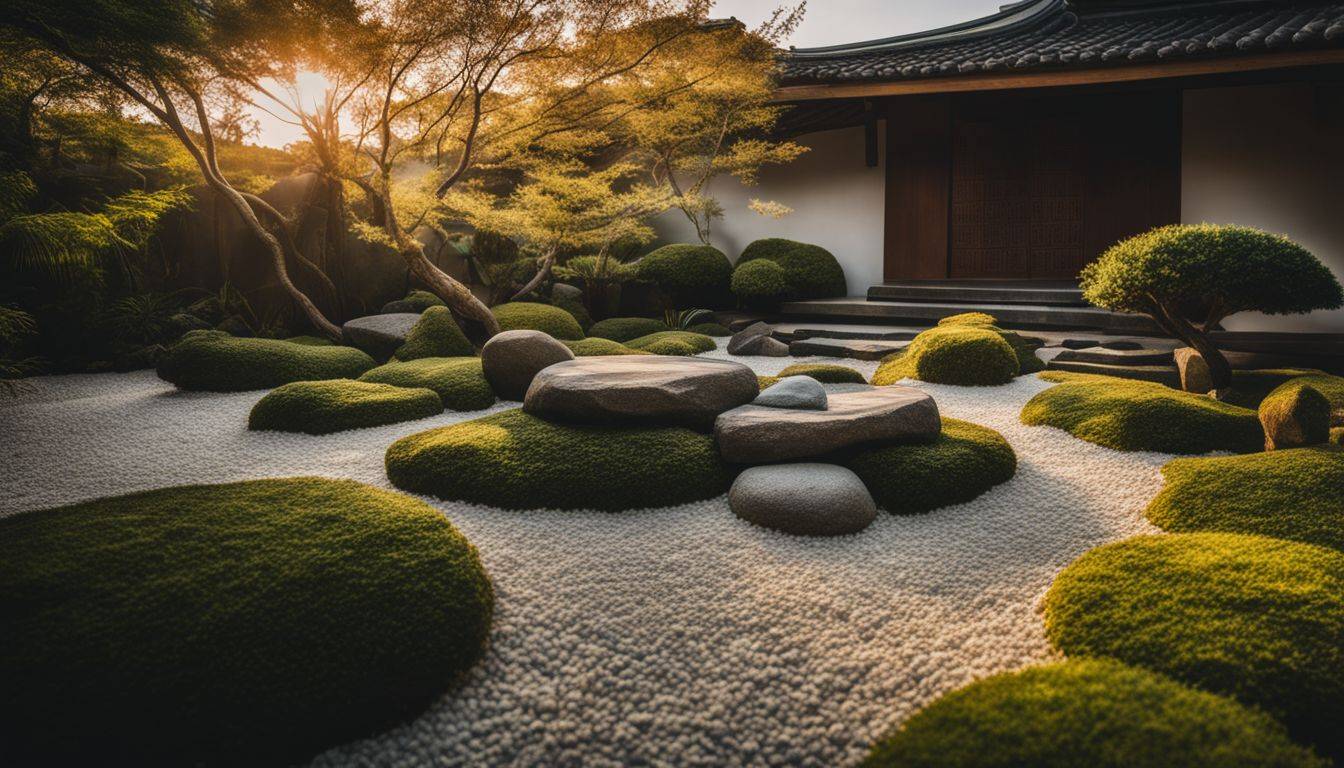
(1272, 157)
(836, 200)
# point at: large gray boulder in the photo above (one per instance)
(379, 336)
(511, 359)
(642, 389)
(754, 434)
(803, 499)
(793, 392)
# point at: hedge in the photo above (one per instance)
(335, 405)
(214, 361)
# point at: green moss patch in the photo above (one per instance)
(213, 361)
(1252, 617)
(626, 328)
(256, 622)
(968, 355)
(826, 373)
(1142, 416)
(435, 334)
(594, 346)
(459, 381)
(963, 462)
(517, 461)
(811, 271)
(527, 316)
(335, 405)
(1294, 494)
(969, 318)
(1087, 714)
(674, 343)
(710, 329)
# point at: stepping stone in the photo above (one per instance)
(1079, 343)
(652, 389)
(803, 499)
(835, 333)
(794, 392)
(379, 336)
(1107, 356)
(855, 349)
(754, 434)
(1161, 374)
(755, 339)
(511, 360)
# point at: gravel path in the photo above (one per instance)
(678, 636)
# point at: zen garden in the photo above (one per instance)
(624, 382)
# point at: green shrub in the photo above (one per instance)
(688, 274)
(214, 361)
(250, 623)
(760, 283)
(335, 405)
(459, 381)
(576, 308)
(1292, 494)
(810, 270)
(955, 354)
(1252, 617)
(435, 334)
(1027, 361)
(682, 343)
(710, 329)
(826, 373)
(623, 329)
(527, 316)
(1132, 415)
(419, 301)
(598, 347)
(517, 461)
(1090, 713)
(970, 318)
(963, 462)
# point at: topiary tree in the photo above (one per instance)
(812, 271)
(1189, 278)
(761, 283)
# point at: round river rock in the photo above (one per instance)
(511, 359)
(803, 499)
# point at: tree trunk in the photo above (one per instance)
(459, 297)
(543, 272)
(1220, 371)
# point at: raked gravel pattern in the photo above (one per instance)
(675, 636)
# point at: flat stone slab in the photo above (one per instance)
(652, 389)
(803, 499)
(754, 434)
(379, 336)
(855, 349)
(1107, 356)
(1160, 374)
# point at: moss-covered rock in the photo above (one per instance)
(1252, 617)
(811, 271)
(1295, 414)
(963, 462)
(213, 361)
(436, 334)
(1087, 714)
(626, 328)
(335, 405)
(517, 461)
(527, 316)
(1295, 494)
(1142, 416)
(459, 381)
(594, 346)
(690, 275)
(250, 623)
(826, 373)
(954, 354)
(710, 329)
(682, 343)
(760, 283)
(1027, 361)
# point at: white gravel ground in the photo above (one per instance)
(679, 636)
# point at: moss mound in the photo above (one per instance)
(459, 381)
(517, 461)
(415, 301)
(213, 361)
(826, 373)
(1087, 714)
(626, 328)
(1293, 415)
(760, 283)
(674, 343)
(312, 341)
(575, 307)
(594, 346)
(1295, 494)
(963, 462)
(710, 329)
(527, 316)
(335, 405)
(810, 270)
(956, 354)
(969, 318)
(255, 622)
(691, 275)
(1249, 388)
(435, 334)
(1132, 415)
(1252, 617)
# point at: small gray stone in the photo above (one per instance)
(803, 499)
(510, 360)
(379, 336)
(794, 392)
(748, 336)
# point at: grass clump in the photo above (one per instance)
(826, 373)
(626, 328)
(681, 343)
(594, 346)
(1132, 415)
(458, 381)
(518, 461)
(1293, 494)
(529, 316)
(811, 271)
(214, 361)
(1256, 618)
(967, 355)
(249, 623)
(1087, 714)
(964, 461)
(435, 334)
(335, 405)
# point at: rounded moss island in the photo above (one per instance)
(214, 361)
(1087, 714)
(335, 405)
(517, 461)
(459, 381)
(964, 461)
(826, 373)
(682, 343)
(250, 623)
(529, 316)
(596, 346)
(626, 328)
(1293, 494)
(966, 355)
(1252, 617)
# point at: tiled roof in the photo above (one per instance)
(1044, 34)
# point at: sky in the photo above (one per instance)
(826, 22)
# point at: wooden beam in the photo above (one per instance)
(1046, 78)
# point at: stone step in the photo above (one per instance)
(978, 292)
(1106, 356)
(854, 349)
(1009, 315)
